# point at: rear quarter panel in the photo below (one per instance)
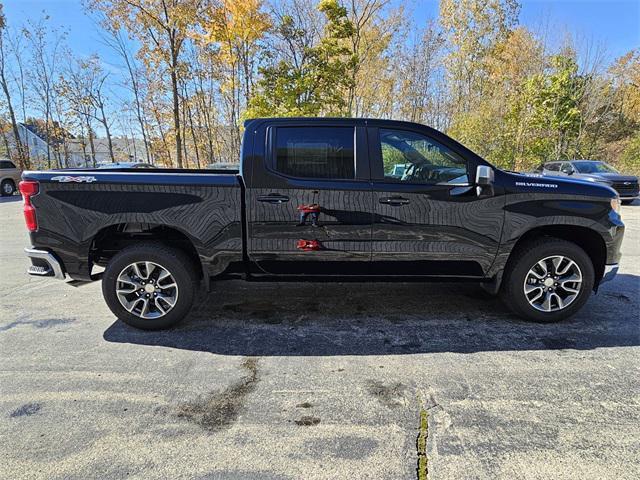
(205, 207)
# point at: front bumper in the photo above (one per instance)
(610, 271)
(44, 264)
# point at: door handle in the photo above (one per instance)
(394, 201)
(274, 198)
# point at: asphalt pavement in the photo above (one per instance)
(316, 381)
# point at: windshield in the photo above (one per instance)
(594, 167)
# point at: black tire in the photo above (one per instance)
(176, 262)
(7, 188)
(524, 258)
(627, 202)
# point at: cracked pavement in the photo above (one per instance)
(316, 381)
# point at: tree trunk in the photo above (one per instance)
(23, 160)
(91, 143)
(108, 132)
(176, 106)
(193, 135)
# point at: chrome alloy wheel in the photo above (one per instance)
(147, 289)
(553, 283)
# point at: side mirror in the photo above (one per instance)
(484, 180)
(568, 170)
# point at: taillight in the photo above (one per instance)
(29, 188)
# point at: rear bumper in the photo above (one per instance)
(610, 271)
(44, 264)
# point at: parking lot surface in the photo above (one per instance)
(316, 381)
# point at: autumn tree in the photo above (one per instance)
(162, 27)
(45, 45)
(234, 29)
(511, 63)
(420, 89)
(134, 83)
(375, 46)
(22, 155)
(473, 28)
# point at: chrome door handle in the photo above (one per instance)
(274, 198)
(394, 201)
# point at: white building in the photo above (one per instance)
(124, 150)
(77, 152)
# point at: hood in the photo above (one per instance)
(574, 184)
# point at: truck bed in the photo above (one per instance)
(76, 207)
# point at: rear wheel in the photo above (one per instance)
(7, 188)
(150, 286)
(627, 202)
(548, 280)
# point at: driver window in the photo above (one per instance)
(414, 158)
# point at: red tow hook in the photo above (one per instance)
(308, 245)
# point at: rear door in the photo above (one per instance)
(430, 220)
(309, 204)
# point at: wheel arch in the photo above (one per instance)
(586, 238)
(111, 239)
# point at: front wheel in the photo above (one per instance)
(548, 280)
(150, 286)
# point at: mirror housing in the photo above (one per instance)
(484, 176)
(484, 180)
(568, 170)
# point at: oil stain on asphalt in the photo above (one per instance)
(45, 323)
(218, 410)
(389, 395)
(307, 421)
(26, 410)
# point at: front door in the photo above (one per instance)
(429, 217)
(309, 203)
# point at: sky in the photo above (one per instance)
(615, 23)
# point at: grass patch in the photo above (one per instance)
(421, 445)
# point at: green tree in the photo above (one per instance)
(317, 84)
(553, 100)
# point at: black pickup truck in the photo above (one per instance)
(324, 198)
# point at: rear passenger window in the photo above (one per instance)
(315, 152)
(6, 164)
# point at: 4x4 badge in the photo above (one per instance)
(68, 178)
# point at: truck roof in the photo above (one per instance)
(339, 120)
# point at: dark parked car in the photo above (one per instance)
(595, 171)
(320, 198)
